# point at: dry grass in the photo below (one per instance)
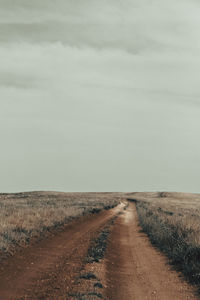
(172, 222)
(25, 216)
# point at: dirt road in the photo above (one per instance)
(134, 269)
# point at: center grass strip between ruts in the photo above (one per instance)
(95, 254)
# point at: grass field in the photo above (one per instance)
(172, 222)
(24, 216)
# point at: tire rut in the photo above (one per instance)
(135, 270)
(47, 269)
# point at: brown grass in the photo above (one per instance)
(172, 222)
(24, 216)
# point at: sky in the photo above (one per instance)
(99, 95)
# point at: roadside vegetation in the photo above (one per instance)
(24, 216)
(89, 285)
(172, 222)
(98, 246)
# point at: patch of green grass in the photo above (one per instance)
(88, 296)
(88, 276)
(98, 284)
(95, 294)
(77, 296)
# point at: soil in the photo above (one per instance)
(131, 268)
(48, 269)
(136, 270)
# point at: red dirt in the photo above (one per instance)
(136, 270)
(47, 270)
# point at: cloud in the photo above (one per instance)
(99, 95)
(130, 25)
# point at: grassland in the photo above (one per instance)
(172, 222)
(25, 216)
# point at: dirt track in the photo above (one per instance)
(137, 271)
(134, 269)
(48, 269)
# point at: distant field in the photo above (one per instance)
(172, 222)
(24, 216)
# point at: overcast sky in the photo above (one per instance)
(100, 95)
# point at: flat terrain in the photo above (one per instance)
(30, 215)
(136, 270)
(57, 266)
(48, 269)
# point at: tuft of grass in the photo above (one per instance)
(86, 296)
(95, 294)
(88, 276)
(98, 284)
(78, 296)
